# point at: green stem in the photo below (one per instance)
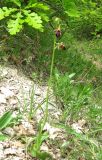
(52, 62)
(49, 83)
(42, 123)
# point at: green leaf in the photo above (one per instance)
(44, 16)
(43, 155)
(34, 20)
(73, 13)
(38, 5)
(5, 119)
(14, 26)
(17, 2)
(3, 137)
(32, 1)
(68, 4)
(4, 12)
(71, 8)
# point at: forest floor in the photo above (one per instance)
(15, 94)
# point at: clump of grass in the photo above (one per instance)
(76, 102)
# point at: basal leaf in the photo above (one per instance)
(5, 119)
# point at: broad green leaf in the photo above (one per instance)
(71, 8)
(73, 13)
(34, 20)
(4, 12)
(3, 137)
(15, 25)
(8, 10)
(5, 119)
(39, 6)
(68, 4)
(1, 14)
(44, 16)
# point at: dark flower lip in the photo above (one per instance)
(63, 47)
(58, 33)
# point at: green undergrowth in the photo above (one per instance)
(76, 82)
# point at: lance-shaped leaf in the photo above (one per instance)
(17, 2)
(5, 119)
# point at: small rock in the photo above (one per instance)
(4, 73)
(9, 151)
(18, 144)
(9, 131)
(53, 132)
(7, 93)
(13, 101)
(77, 128)
(2, 99)
(5, 144)
(2, 155)
(14, 151)
(16, 158)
